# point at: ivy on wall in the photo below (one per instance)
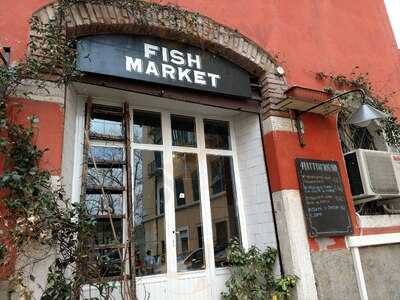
(253, 276)
(43, 215)
(337, 83)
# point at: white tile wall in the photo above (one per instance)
(256, 197)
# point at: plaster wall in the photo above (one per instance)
(335, 275)
(253, 177)
(381, 267)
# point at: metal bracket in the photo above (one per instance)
(5, 55)
(298, 114)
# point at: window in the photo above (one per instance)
(217, 177)
(393, 10)
(217, 134)
(105, 192)
(223, 205)
(179, 192)
(183, 131)
(149, 223)
(188, 216)
(170, 156)
(147, 127)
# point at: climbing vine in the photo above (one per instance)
(337, 83)
(44, 217)
(253, 276)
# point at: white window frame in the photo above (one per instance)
(169, 196)
(169, 193)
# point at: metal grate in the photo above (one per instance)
(381, 172)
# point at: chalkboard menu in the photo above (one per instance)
(324, 203)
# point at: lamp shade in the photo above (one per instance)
(363, 116)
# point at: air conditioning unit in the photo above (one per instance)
(373, 175)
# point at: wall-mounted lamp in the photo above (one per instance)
(365, 114)
(362, 117)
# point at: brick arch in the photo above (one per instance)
(173, 23)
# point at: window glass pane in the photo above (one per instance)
(149, 219)
(183, 131)
(189, 242)
(147, 127)
(99, 204)
(106, 124)
(223, 205)
(109, 154)
(104, 177)
(103, 263)
(104, 232)
(217, 134)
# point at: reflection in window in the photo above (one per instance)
(104, 197)
(101, 154)
(104, 231)
(183, 131)
(147, 127)
(149, 222)
(106, 123)
(104, 263)
(179, 192)
(217, 171)
(105, 177)
(103, 204)
(190, 254)
(223, 205)
(216, 134)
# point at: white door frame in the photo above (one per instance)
(172, 276)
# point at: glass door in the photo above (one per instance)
(185, 199)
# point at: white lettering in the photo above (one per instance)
(184, 73)
(133, 65)
(150, 50)
(168, 70)
(177, 57)
(164, 54)
(192, 60)
(152, 69)
(214, 78)
(199, 77)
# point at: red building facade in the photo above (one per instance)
(281, 44)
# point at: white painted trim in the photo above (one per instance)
(172, 276)
(293, 238)
(206, 213)
(373, 240)
(377, 221)
(239, 191)
(50, 93)
(362, 288)
(78, 159)
(274, 123)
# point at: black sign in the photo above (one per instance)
(324, 203)
(159, 61)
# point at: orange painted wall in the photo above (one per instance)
(49, 135)
(308, 36)
(49, 130)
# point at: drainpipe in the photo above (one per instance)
(272, 202)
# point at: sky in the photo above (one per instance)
(393, 8)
